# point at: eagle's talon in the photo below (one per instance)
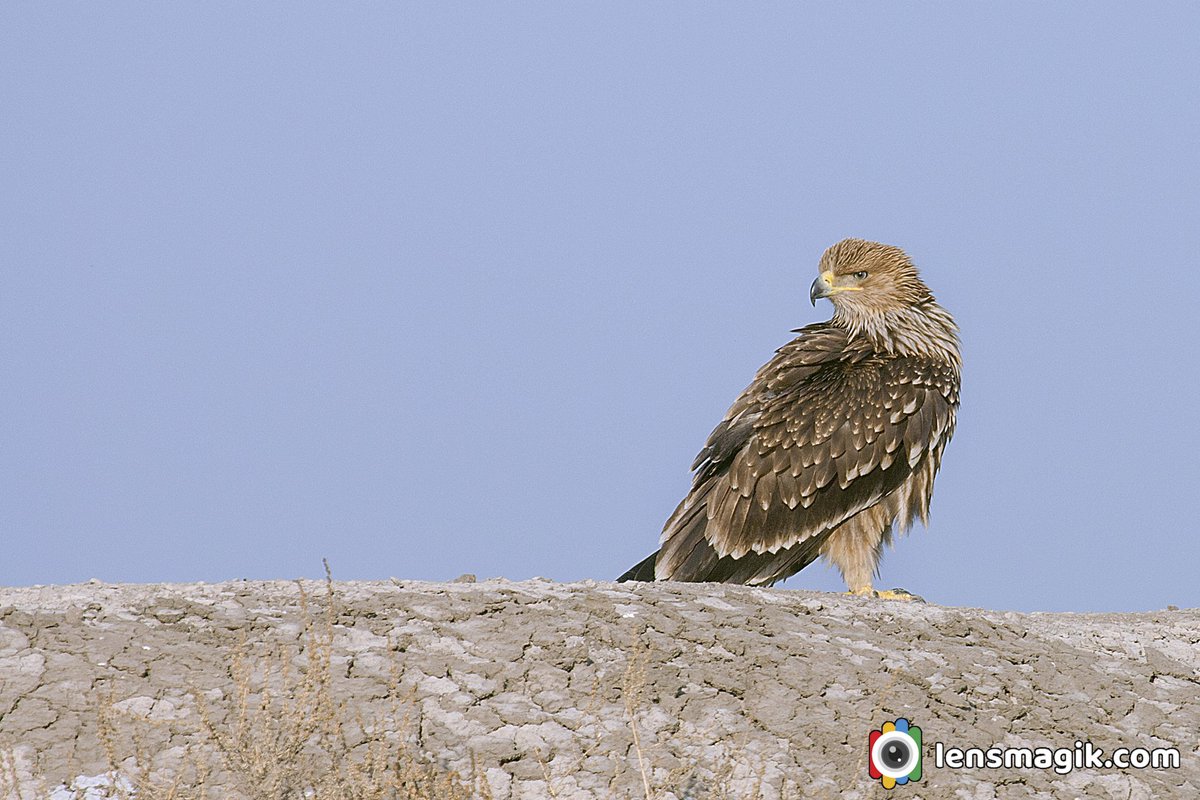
(900, 594)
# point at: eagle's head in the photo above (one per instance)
(877, 293)
(868, 278)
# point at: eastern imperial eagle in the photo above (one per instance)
(837, 439)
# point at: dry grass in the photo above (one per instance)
(738, 776)
(282, 734)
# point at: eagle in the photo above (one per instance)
(834, 445)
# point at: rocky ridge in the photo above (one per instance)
(599, 690)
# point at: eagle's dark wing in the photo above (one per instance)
(827, 429)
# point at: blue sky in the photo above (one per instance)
(427, 289)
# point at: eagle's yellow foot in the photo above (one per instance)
(900, 594)
(887, 594)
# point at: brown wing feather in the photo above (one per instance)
(827, 429)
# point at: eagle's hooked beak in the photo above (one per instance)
(821, 287)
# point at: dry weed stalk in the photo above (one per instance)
(12, 785)
(281, 735)
(632, 690)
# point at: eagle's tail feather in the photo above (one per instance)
(642, 571)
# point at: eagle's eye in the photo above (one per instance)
(860, 275)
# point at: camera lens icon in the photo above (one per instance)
(895, 753)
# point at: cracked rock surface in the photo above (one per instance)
(592, 690)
